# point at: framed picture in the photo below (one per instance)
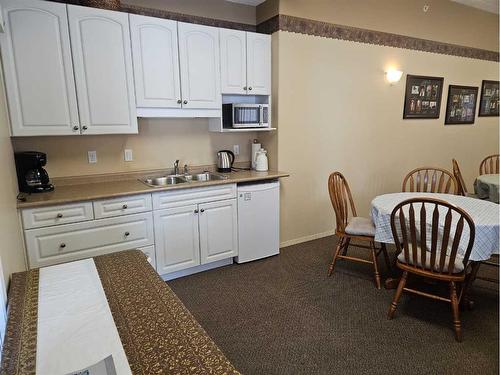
(489, 103)
(461, 105)
(422, 97)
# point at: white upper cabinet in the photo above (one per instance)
(200, 66)
(38, 68)
(259, 64)
(100, 44)
(233, 61)
(156, 62)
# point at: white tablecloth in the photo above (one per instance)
(484, 214)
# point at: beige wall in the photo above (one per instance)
(159, 143)
(342, 115)
(219, 9)
(11, 246)
(445, 21)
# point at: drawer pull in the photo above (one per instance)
(127, 234)
(59, 215)
(62, 246)
(124, 206)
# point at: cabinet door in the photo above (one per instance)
(38, 68)
(233, 61)
(176, 239)
(259, 64)
(100, 44)
(156, 62)
(218, 230)
(200, 66)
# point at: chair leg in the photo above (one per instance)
(386, 256)
(346, 245)
(375, 265)
(454, 308)
(339, 247)
(397, 296)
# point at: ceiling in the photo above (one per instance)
(487, 5)
(247, 2)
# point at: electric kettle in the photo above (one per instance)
(225, 160)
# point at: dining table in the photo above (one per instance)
(485, 215)
(487, 186)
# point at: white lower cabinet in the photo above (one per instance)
(218, 230)
(176, 229)
(64, 243)
(176, 239)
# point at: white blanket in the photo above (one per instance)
(75, 325)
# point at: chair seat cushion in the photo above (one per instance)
(457, 267)
(360, 226)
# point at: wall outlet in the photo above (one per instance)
(236, 149)
(128, 155)
(92, 156)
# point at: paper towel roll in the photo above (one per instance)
(255, 147)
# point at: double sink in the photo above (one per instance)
(176, 179)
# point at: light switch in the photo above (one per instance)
(128, 155)
(92, 156)
(236, 149)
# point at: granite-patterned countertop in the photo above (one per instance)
(69, 193)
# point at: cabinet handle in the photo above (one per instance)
(84, 128)
(124, 206)
(202, 210)
(196, 211)
(75, 128)
(179, 101)
(59, 215)
(250, 88)
(127, 234)
(62, 246)
(244, 88)
(185, 102)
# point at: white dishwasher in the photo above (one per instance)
(258, 221)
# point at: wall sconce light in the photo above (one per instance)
(393, 76)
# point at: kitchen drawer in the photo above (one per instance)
(149, 251)
(122, 206)
(184, 197)
(56, 215)
(64, 243)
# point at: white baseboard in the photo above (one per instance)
(311, 237)
(196, 269)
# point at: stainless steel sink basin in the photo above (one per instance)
(182, 179)
(164, 181)
(205, 176)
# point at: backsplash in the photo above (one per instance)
(159, 143)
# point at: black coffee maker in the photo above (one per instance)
(31, 176)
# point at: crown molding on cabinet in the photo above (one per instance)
(160, 13)
(293, 24)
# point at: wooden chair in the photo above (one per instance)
(351, 227)
(430, 180)
(490, 165)
(441, 260)
(461, 188)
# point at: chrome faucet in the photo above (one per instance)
(186, 170)
(176, 167)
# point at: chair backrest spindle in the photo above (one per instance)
(430, 180)
(411, 237)
(490, 165)
(341, 198)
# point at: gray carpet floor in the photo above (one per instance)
(283, 315)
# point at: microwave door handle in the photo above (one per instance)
(261, 117)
